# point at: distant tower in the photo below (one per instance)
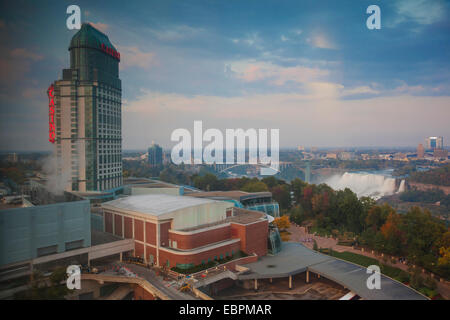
(434, 143)
(155, 155)
(420, 151)
(308, 172)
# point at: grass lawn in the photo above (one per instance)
(364, 261)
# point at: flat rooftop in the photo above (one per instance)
(155, 204)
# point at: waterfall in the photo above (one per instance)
(401, 188)
(366, 184)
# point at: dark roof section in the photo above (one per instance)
(90, 37)
(235, 195)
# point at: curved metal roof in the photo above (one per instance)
(90, 37)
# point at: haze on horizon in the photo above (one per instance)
(311, 69)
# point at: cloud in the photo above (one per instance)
(420, 11)
(291, 35)
(321, 41)
(312, 119)
(252, 71)
(103, 27)
(362, 90)
(134, 57)
(14, 65)
(251, 40)
(21, 53)
(176, 33)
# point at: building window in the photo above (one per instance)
(45, 251)
(74, 245)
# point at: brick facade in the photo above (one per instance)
(252, 239)
(197, 258)
(199, 239)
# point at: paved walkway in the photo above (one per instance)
(299, 234)
(167, 287)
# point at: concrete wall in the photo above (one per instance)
(201, 214)
(142, 190)
(24, 230)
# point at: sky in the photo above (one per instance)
(310, 68)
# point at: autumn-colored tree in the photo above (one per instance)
(393, 234)
(282, 222)
(444, 259)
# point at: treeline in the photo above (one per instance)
(426, 196)
(135, 168)
(417, 235)
(439, 176)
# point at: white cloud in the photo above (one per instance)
(252, 71)
(103, 27)
(134, 57)
(322, 41)
(251, 40)
(421, 11)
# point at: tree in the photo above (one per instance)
(393, 235)
(297, 214)
(377, 215)
(297, 186)
(350, 213)
(423, 235)
(282, 222)
(255, 186)
(282, 195)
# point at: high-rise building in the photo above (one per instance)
(85, 115)
(420, 151)
(155, 155)
(434, 143)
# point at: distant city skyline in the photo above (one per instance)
(311, 69)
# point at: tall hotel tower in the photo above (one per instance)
(85, 115)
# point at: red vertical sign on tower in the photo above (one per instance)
(51, 114)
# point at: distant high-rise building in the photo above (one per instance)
(434, 143)
(85, 115)
(12, 157)
(420, 151)
(155, 155)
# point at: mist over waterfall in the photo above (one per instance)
(366, 184)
